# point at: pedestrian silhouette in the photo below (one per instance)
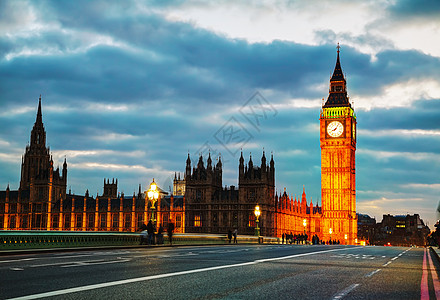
(170, 232)
(150, 230)
(143, 229)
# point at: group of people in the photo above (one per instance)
(290, 238)
(232, 234)
(294, 239)
(150, 237)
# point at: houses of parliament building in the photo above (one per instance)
(199, 202)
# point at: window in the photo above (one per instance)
(140, 220)
(115, 221)
(251, 222)
(41, 193)
(91, 221)
(165, 218)
(235, 223)
(24, 222)
(67, 221)
(1, 222)
(197, 221)
(55, 220)
(178, 221)
(79, 220)
(103, 223)
(13, 208)
(127, 223)
(215, 219)
(12, 222)
(198, 196)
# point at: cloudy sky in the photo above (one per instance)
(129, 88)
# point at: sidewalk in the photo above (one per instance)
(436, 250)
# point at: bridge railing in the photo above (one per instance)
(21, 240)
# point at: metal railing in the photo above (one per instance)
(22, 240)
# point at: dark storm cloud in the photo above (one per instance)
(409, 8)
(422, 114)
(163, 60)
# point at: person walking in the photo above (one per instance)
(143, 229)
(229, 235)
(150, 230)
(170, 232)
(235, 235)
(282, 239)
(160, 235)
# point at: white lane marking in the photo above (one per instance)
(384, 265)
(65, 263)
(394, 258)
(152, 277)
(84, 264)
(16, 269)
(15, 260)
(72, 256)
(372, 273)
(345, 292)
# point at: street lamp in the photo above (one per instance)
(257, 213)
(330, 231)
(153, 195)
(305, 224)
(346, 237)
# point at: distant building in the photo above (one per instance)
(403, 230)
(366, 227)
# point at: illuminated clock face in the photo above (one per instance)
(335, 129)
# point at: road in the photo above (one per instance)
(224, 272)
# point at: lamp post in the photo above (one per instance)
(330, 231)
(305, 224)
(346, 237)
(257, 213)
(153, 195)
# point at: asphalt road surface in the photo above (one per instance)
(224, 272)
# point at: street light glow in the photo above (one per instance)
(257, 211)
(153, 196)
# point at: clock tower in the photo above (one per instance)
(338, 172)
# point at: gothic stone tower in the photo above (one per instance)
(338, 173)
(257, 186)
(39, 179)
(203, 188)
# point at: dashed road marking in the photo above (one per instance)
(386, 264)
(372, 273)
(15, 260)
(345, 292)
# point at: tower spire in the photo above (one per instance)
(338, 92)
(39, 115)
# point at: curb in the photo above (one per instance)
(436, 252)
